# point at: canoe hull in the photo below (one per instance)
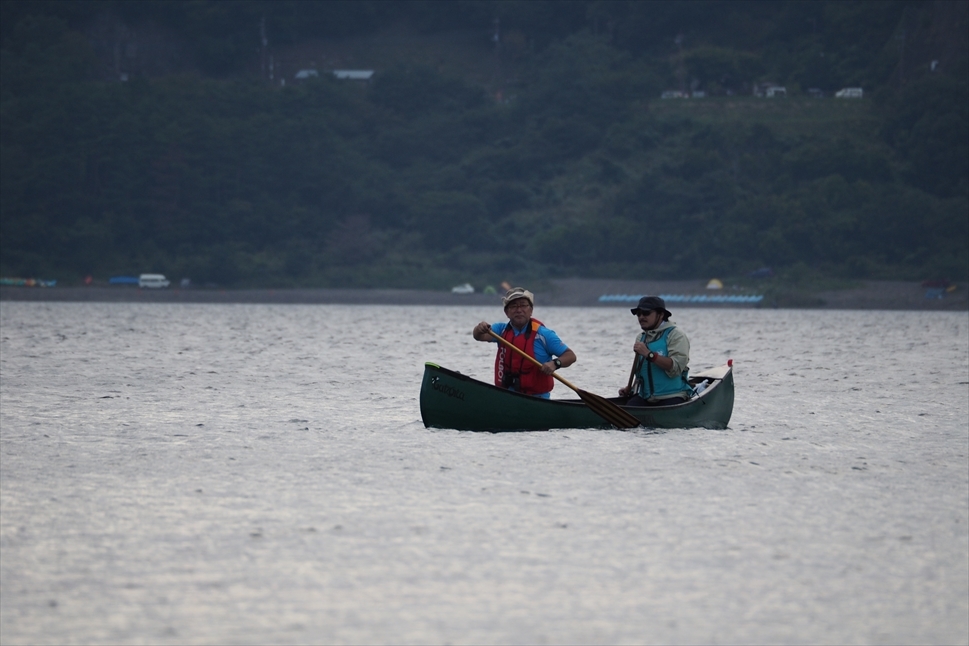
(455, 401)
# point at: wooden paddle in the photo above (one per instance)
(601, 407)
(632, 371)
(632, 375)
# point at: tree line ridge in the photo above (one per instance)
(495, 140)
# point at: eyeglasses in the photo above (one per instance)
(519, 306)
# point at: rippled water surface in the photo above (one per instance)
(175, 474)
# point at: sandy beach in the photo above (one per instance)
(573, 292)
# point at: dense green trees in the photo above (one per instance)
(422, 178)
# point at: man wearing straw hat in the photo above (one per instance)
(512, 371)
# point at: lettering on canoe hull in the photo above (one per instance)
(450, 391)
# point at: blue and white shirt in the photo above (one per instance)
(547, 343)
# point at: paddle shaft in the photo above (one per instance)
(529, 357)
(632, 371)
(601, 407)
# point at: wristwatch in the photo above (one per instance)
(650, 357)
(558, 364)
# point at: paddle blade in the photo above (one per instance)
(608, 411)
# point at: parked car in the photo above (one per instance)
(153, 281)
(850, 93)
(463, 289)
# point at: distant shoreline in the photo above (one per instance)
(575, 292)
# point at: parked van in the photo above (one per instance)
(152, 281)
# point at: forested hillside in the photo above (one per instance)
(495, 140)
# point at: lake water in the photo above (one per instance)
(180, 474)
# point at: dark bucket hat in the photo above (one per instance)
(650, 303)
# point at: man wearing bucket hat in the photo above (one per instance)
(512, 371)
(661, 367)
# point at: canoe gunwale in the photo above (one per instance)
(451, 400)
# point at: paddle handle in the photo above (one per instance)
(538, 363)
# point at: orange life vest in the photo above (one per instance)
(515, 371)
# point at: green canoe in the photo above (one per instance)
(452, 400)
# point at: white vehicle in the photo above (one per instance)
(850, 93)
(152, 281)
(463, 289)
